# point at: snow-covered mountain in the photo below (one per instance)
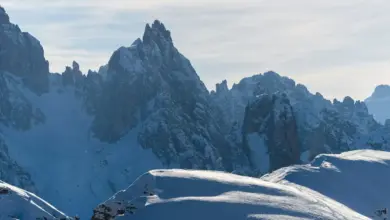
(350, 185)
(312, 124)
(75, 139)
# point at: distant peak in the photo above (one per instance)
(76, 66)
(222, 87)
(271, 73)
(156, 31)
(4, 18)
(381, 91)
(348, 101)
(158, 25)
(136, 42)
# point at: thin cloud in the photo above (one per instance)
(319, 43)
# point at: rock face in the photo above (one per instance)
(22, 55)
(11, 172)
(147, 108)
(322, 126)
(155, 87)
(73, 76)
(15, 109)
(272, 117)
(4, 19)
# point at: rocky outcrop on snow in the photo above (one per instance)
(357, 112)
(22, 55)
(271, 119)
(73, 76)
(322, 126)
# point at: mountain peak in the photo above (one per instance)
(222, 87)
(158, 25)
(381, 91)
(348, 101)
(75, 66)
(156, 31)
(4, 18)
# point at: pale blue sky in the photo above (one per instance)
(335, 47)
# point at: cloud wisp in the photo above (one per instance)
(323, 44)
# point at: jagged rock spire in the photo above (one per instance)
(72, 75)
(222, 87)
(76, 66)
(155, 32)
(4, 18)
(22, 55)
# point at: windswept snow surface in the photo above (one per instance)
(16, 203)
(210, 195)
(358, 179)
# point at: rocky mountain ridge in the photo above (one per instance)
(147, 108)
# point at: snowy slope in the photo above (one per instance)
(207, 195)
(358, 179)
(16, 203)
(66, 163)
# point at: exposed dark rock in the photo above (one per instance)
(273, 117)
(22, 55)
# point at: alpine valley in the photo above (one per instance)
(75, 139)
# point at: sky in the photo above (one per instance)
(334, 47)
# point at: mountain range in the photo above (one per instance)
(77, 138)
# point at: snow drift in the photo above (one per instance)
(357, 179)
(16, 203)
(350, 185)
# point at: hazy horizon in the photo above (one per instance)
(335, 48)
